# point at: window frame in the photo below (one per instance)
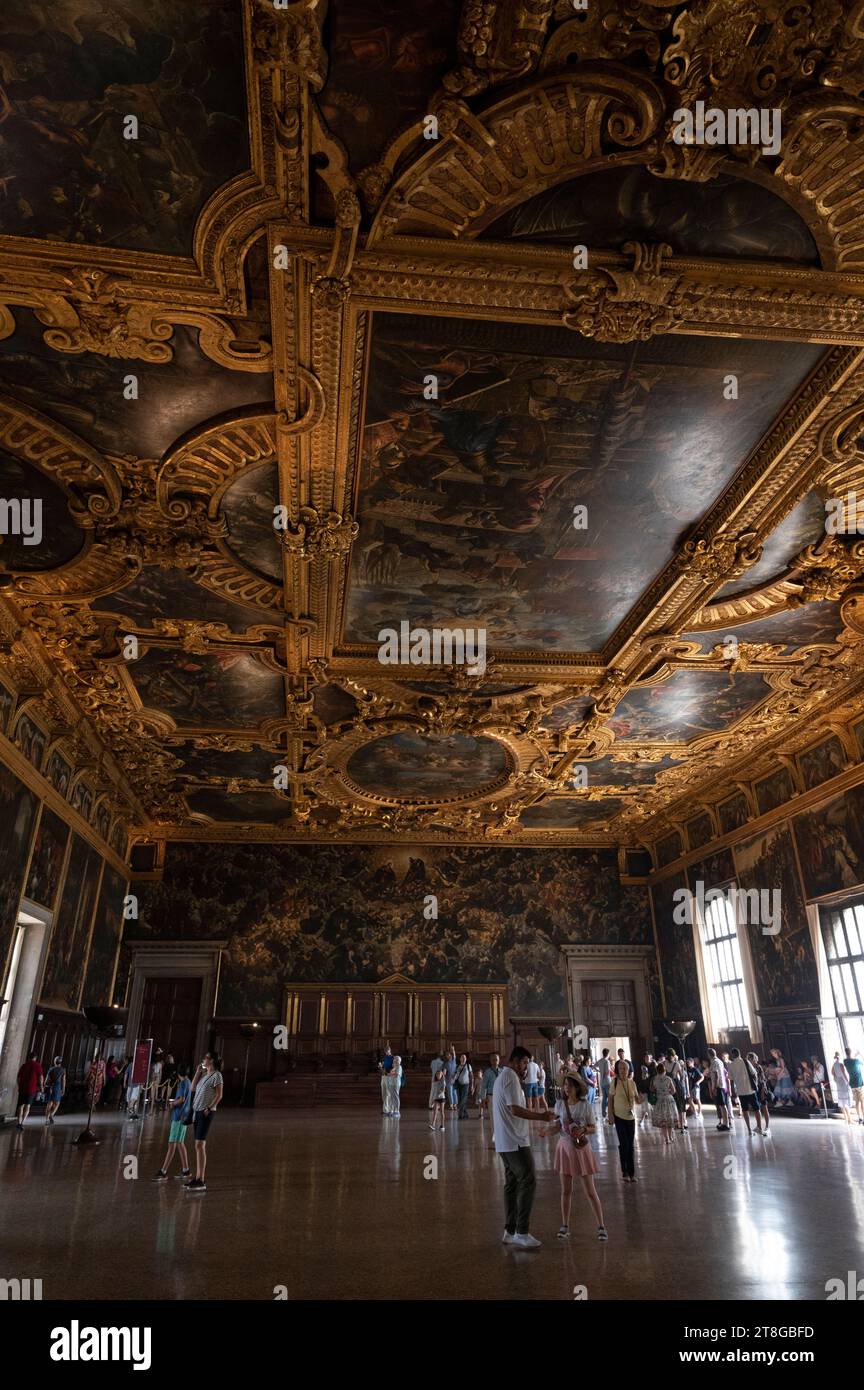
(748, 996)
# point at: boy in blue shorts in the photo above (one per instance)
(180, 1105)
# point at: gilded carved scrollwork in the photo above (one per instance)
(539, 95)
(616, 306)
(486, 163)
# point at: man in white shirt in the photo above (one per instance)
(718, 1085)
(744, 1079)
(510, 1119)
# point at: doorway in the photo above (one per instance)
(20, 990)
(597, 1045)
(169, 1015)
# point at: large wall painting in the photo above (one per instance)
(677, 950)
(104, 940)
(783, 961)
(46, 863)
(67, 952)
(18, 808)
(831, 844)
(341, 912)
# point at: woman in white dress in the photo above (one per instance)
(393, 1082)
(840, 1087)
(665, 1115)
(574, 1157)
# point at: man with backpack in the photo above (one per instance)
(745, 1081)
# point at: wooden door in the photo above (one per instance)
(169, 1015)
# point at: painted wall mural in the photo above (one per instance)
(772, 791)
(831, 844)
(677, 951)
(668, 848)
(46, 864)
(104, 940)
(31, 740)
(7, 703)
(58, 771)
(734, 813)
(699, 831)
(783, 963)
(342, 912)
(61, 985)
(823, 762)
(18, 807)
(713, 870)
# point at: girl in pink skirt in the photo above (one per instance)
(574, 1157)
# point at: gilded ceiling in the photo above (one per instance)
(431, 286)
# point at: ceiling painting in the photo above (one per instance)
(468, 505)
(687, 706)
(76, 172)
(427, 767)
(231, 688)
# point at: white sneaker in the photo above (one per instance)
(527, 1242)
(507, 1239)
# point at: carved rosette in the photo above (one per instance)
(320, 537)
(626, 306)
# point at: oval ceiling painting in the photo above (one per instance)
(248, 508)
(428, 767)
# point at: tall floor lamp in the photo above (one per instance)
(552, 1034)
(681, 1031)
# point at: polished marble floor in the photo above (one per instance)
(339, 1206)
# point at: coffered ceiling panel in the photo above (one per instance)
(123, 404)
(686, 706)
(229, 689)
(791, 628)
(72, 76)
(468, 504)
